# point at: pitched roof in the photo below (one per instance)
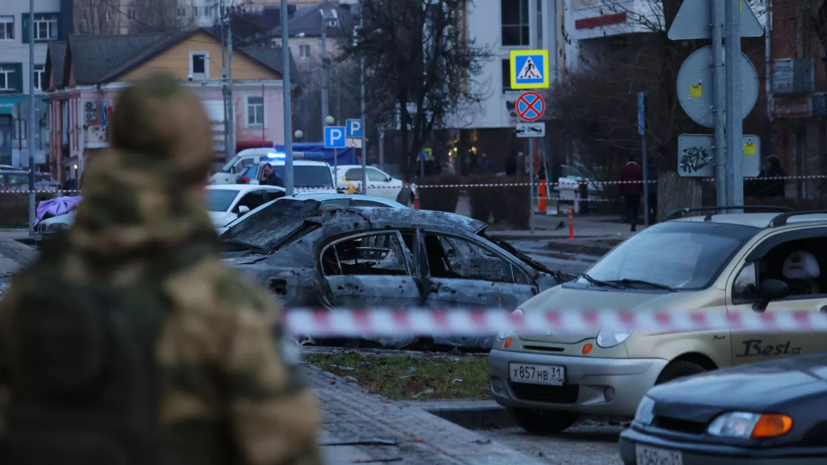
(95, 59)
(272, 58)
(308, 21)
(56, 63)
(93, 56)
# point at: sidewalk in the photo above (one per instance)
(386, 431)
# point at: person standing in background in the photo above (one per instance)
(511, 165)
(631, 188)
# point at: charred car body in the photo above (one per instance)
(313, 256)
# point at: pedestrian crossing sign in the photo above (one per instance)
(529, 69)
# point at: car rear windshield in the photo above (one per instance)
(219, 200)
(681, 255)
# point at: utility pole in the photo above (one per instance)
(324, 63)
(364, 113)
(230, 98)
(228, 154)
(734, 123)
(32, 119)
(288, 123)
(718, 101)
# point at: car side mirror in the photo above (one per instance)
(243, 210)
(770, 289)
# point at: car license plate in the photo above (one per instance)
(538, 374)
(653, 456)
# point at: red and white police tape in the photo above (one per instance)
(468, 321)
(456, 186)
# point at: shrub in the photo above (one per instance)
(14, 209)
(509, 205)
(440, 198)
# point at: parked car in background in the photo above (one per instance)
(380, 183)
(227, 202)
(310, 255)
(237, 166)
(309, 176)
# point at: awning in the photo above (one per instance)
(8, 101)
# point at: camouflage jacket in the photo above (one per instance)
(221, 391)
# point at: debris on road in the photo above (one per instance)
(362, 442)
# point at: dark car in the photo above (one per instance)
(310, 255)
(768, 413)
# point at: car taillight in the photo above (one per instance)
(244, 180)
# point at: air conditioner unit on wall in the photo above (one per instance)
(91, 117)
(91, 106)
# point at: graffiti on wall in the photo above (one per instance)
(694, 159)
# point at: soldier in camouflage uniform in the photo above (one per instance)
(129, 342)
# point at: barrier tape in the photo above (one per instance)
(463, 186)
(475, 322)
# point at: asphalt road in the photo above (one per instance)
(587, 443)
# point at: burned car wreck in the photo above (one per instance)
(308, 255)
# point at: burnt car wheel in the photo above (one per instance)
(542, 421)
(677, 370)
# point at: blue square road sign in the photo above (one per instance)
(354, 128)
(529, 69)
(334, 137)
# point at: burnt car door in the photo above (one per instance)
(467, 272)
(369, 269)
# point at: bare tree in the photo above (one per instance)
(160, 16)
(95, 17)
(419, 65)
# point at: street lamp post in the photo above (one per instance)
(330, 121)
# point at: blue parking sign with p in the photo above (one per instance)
(354, 128)
(334, 137)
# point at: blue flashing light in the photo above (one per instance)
(275, 155)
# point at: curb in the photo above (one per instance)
(586, 249)
(475, 418)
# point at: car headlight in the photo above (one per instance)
(610, 337)
(645, 411)
(502, 335)
(745, 425)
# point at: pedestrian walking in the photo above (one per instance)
(129, 341)
(652, 177)
(775, 187)
(631, 192)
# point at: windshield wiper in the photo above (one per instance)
(598, 283)
(629, 282)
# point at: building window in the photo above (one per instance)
(515, 30)
(304, 51)
(130, 13)
(108, 15)
(255, 111)
(506, 74)
(39, 77)
(8, 77)
(6, 27)
(45, 26)
(199, 67)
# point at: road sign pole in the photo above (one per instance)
(288, 114)
(32, 120)
(734, 123)
(531, 184)
(641, 125)
(718, 104)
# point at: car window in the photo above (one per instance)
(307, 175)
(219, 200)
(336, 203)
(354, 174)
(745, 288)
(373, 254)
(686, 256)
(367, 203)
(251, 173)
(272, 195)
(452, 257)
(251, 200)
(376, 175)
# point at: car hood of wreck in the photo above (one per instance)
(282, 247)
